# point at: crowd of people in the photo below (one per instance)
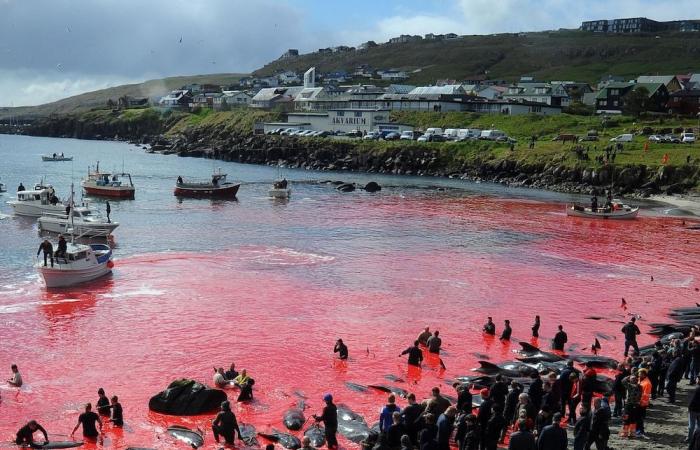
(538, 415)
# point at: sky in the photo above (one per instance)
(51, 49)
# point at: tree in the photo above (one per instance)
(636, 101)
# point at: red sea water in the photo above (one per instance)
(272, 285)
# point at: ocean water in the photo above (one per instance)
(272, 284)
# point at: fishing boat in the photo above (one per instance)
(2, 188)
(217, 187)
(37, 202)
(55, 157)
(280, 189)
(104, 184)
(84, 220)
(79, 264)
(618, 211)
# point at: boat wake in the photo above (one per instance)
(276, 256)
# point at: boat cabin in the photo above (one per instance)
(44, 196)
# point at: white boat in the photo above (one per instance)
(56, 157)
(37, 202)
(619, 211)
(86, 221)
(2, 188)
(81, 263)
(280, 188)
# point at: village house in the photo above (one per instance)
(288, 77)
(611, 99)
(336, 77)
(364, 71)
(530, 90)
(291, 53)
(685, 102)
(392, 75)
(205, 99)
(367, 45)
(670, 81)
(276, 97)
(177, 99)
(232, 99)
(404, 38)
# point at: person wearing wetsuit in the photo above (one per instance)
(434, 343)
(490, 327)
(560, 339)
(536, 327)
(341, 349)
(117, 412)
(47, 248)
(225, 424)
(329, 417)
(25, 435)
(88, 420)
(415, 355)
(102, 403)
(631, 330)
(507, 331)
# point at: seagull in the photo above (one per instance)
(180, 39)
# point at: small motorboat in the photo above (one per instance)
(85, 221)
(618, 211)
(217, 187)
(56, 157)
(280, 189)
(104, 184)
(37, 202)
(80, 264)
(2, 188)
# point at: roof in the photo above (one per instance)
(269, 94)
(603, 93)
(655, 79)
(448, 89)
(651, 87)
(399, 89)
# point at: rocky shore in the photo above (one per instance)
(426, 160)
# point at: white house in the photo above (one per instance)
(393, 75)
(288, 77)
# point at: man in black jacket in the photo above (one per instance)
(415, 355)
(560, 339)
(484, 415)
(535, 391)
(47, 248)
(631, 330)
(673, 376)
(581, 429)
(523, 439)
(694, 412)
(410, 417)
(553, 437)
(600, 426)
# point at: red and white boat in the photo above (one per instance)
(217, 187)
(106, 184)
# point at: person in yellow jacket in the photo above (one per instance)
(645, 385)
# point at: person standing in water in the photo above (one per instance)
(117, 412)
(225, 424)
(536, 327)
(434, 343)
(490, 327)
(341, 349)
(507, 331)
(560, 339)
(16, 379)
(88, 420)
(631, 331)
(415, 355)
(424, 336)
(102, 403)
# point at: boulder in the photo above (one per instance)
(373, 186)
(186, 397)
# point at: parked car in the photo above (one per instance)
(354, 133)
(687, 138)
(627, 137)
(393, 136)
(492, 135)
(451, 134)
(434, 131)
(409, 135)
(432, 138)
(655, 138)
(588, 138)
(372, 136)
(671, 139)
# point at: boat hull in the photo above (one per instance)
(126, 192)
(280, 193)
(228, 190)
(82, 229)
(56, 159)
(613, 215)
(61, 276)
(33, 210)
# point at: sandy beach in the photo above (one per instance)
(689, 202)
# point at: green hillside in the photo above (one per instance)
(89, 100)
(560, 55)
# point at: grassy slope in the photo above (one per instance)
(563, 55)
(98, 99)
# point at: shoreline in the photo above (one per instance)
(685, 202)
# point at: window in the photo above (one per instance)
(614, 92)
(340, 113)
(603, 102)
(358, 113)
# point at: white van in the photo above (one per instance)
(623, 138)
(451, 134)
(492, 135)
(434, 131)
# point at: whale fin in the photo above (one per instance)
(488, 365)
(527, 347)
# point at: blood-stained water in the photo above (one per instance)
(271, 286)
